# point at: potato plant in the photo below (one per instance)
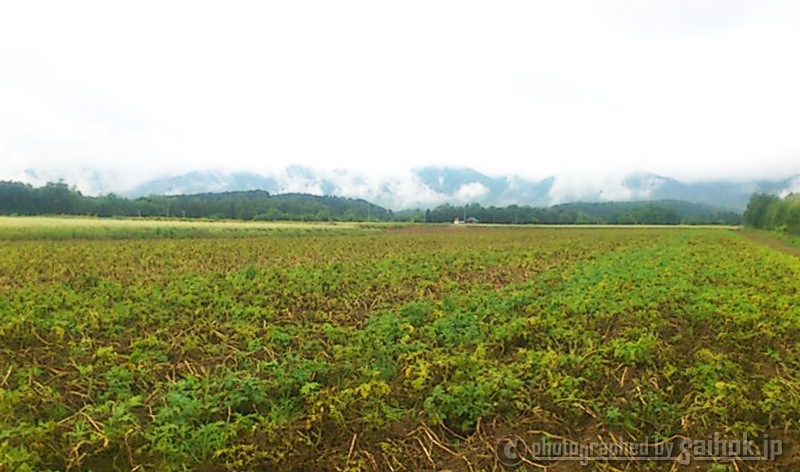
(396, 349)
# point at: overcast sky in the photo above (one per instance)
(690, 89)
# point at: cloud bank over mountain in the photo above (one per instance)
(428, 187)
(690, 89)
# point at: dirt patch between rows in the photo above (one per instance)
(770, 241)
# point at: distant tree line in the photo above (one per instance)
(656, 213)
(58, 198)
(771, 212)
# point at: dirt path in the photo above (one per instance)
(770, 241)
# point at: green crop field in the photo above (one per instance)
(167, 347)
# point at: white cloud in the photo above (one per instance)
(295, 182)
(603, 187)
(407, 191)
(794, 187)
(471, 192)
(690, 88)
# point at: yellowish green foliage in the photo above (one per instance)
(375, 349)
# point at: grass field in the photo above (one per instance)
(419, 348)
(43, 227)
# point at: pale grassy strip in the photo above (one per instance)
(19, 222)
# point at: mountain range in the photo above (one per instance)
(432, 186)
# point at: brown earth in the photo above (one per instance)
(770, 241)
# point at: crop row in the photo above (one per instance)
(400, 349)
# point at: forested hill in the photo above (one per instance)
(662, 212)
(57, 198)
(657, 211)
(774, 213)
